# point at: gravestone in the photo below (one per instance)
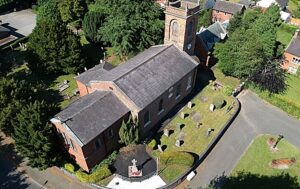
(177, 143)
(160, 148)
(182, 115)
(208, 132)
(199, 125)
(166, 132)
(190, 105)
(211, 107)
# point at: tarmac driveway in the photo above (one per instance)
(256, 117)
(21, 22)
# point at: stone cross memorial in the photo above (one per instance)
(133, 171)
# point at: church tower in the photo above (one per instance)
(181, 24)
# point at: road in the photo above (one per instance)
(256, 117)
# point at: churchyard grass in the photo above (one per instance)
(258, 157)
(195, 139)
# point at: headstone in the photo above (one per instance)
(179, 126)
(199, 125)
(211, 107)
(177, 143)
(160, 148)
(182, 115)
(166, 132)
(208, 132)
(190, 105)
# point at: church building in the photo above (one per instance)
(147, 87)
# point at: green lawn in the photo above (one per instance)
(293, 5)
(225, 80)
(195, 139)
(288, 101)
(285, 33)
(257, 158)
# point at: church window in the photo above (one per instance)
(146, 118)
(189, 83)
(161, 106)
(175, 29)
(190, 28)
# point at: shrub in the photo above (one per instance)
(82, 176)
(177, 158)
(69, 167)
(152, 144)
(219, 102)
(227, 90)
(107, 161)
(99, 174)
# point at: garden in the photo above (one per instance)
(285, 33)
(269, 163)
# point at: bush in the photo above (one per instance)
(177, 158)
(107, 161)
(219, 102)
(82, 176)
(227, 90)
(152, 144)
(69, 167)
(99, 174)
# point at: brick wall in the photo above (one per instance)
(169, 101)
(288, 61)
(220, 16)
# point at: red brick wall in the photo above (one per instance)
(168, 104)
(288, 61)
(220, 16)
(83, 90)
(200, 51)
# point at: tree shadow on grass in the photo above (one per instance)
(246, 180)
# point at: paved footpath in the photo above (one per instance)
(256, 117)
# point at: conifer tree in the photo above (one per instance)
(34, 136)
(129, 132)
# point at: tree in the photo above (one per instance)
(204, 18)
(13, 94)
(48, 10)
(270, 76)
(132, 25)
(235, 22)
(129, 132)
(52, 48)
(72, 10)
(91, 23)
(244, 56)
(34, 136)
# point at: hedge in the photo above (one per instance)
(97, 175)
(177, 158)
(69, 167)
(152, 144)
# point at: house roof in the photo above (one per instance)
(149, 74)
(294, 47)
(228, 7)
(88, 75)
(208, 4)
(3, 29)
(282, 3)
(213, 34)
(92, 114)
(247, 3)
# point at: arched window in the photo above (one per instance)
(190, 28)
(175, 29)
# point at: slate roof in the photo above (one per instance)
(213, 34)
(4, 29)
(152, 77)
(88, 75)
(228, 7)
(92, 114)
(282, 3)
(294, 47)
(247, 3)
